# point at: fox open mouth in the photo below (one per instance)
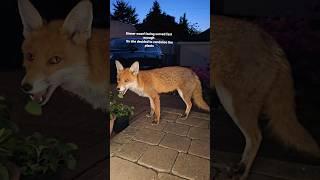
(123, 92)
(43, 97)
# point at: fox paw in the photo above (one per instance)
(155, 122)
(183, 116)
(236, 172)
(149, 115)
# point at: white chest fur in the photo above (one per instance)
(138, 91)
(93, 95)
(74, 79)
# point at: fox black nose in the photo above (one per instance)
(118, 89)
(26, 87)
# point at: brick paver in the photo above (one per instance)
(191, 167)
(170, 117)
(114, 147)
(196, 122)
(199, 133)
(165, 176)
(175, 149)
(178, 129)
(131, 131)
(122, 138)
(132, 151)
(178, 143)
(159, 158)
(158, 127)
(121, 169)
(200, 148)
(149, 136)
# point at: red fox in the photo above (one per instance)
(68, 54)
(149, 83)
(252, 76)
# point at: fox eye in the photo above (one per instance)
(29, 57)
(126, 80)
(55, 60)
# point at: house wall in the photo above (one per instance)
(193, 53)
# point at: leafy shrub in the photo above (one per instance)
(34, 155)
(119, 109)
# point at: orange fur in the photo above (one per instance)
(150, 83)
(83, 68)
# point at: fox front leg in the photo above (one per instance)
(156, 101)
(150, 115)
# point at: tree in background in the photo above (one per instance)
(158, 21)
(124, 12)
(185, 29)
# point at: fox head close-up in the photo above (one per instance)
(48, 63)
(56, 54)
(126, 78)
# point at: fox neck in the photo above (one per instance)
(79, 84)
(137, 87)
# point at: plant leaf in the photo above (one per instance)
(72, 146)
(33, 108)
(71, 163)
(120, 96)
(8, 124)
(4, 173)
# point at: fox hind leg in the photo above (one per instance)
(253, 139)
(246, 118)
(186, 95)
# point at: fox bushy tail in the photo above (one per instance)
(197, 96)
(283, 122)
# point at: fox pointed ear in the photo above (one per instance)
(119, 66)
(30, 17)
(78, 22)
(135, 68)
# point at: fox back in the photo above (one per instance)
(161, 80)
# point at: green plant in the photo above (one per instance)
(38, 155)
(5, 121)
(7, 128)
(5, 153)
(119, 109)
(34, 155)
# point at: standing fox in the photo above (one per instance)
(150, 83)
(68, 53)
(251, 76)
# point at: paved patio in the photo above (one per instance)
(173, 150)
(179, 149)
